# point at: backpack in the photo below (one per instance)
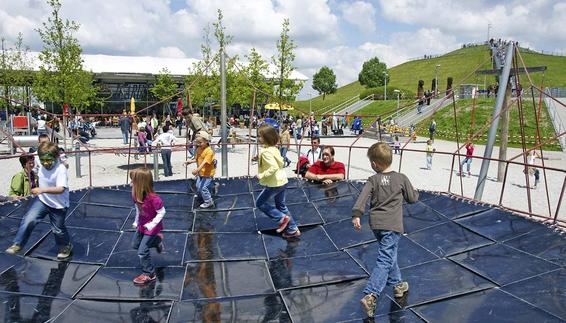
(302, 166)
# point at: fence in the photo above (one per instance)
(110, 166)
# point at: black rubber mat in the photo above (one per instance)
(464, 262)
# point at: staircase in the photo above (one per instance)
(358, 105)
(412, 116)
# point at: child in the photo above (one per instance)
(386, 191)
(468, 159)
(166, 140)
(429, 152)
(148, 225)
(206, 164)
(397, 145)
(142, 140)
(25, 180)
(53, 193)
(272, 175)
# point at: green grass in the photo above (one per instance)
(342, 94)
(458, 64)
(483, 113)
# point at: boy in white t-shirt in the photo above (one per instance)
(53, 200)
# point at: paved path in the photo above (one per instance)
(110, 169)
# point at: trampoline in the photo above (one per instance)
(464, 262)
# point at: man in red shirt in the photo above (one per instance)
(326, 170)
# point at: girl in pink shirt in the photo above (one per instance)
(148, 222)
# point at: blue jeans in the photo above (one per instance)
(203, 182)
(125, 137)
(38, 211)
(468, 162)
(166, 156)
(142, 243)
(283, 151)
(428, 162)
(386, 270)
(278, 211)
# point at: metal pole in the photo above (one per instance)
(77, 159)
(155, 166)
(503, 81)
(385, 89)
(223, 113)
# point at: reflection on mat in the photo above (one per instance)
(464, 262)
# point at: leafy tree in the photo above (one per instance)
(61, 78)
(256, 72)
(286, 88)
(373, 73)
(206, 72)
(15, 72)
(164, 86)
(324, 81)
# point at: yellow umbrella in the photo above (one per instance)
(132, 106)
(275, 106)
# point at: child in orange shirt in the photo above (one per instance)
(206, 167)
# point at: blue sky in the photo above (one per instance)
(336, 33)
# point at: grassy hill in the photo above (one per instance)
(483, 112)
(459, 64)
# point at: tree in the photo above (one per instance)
(15, 72)
(61, 78)
(287, 89)
(207, 71)
(373, 73)
(256, 72)
(324, 81)
(164, 86)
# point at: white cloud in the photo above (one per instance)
(171, 52)
(360, 14)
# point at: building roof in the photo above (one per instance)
(109, 64)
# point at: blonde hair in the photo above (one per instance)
(48, 147)
(142, 184)
(269, 135)
(380, 153)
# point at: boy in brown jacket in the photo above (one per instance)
(386, 191)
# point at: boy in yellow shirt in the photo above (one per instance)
(206, 167)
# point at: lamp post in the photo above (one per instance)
(398, 92)
(436, 80)
(385, 89)
(488, 28)
(310, 104)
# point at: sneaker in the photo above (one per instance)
(14, 249)
(400, 289)
(294, 234)
(160, 247)
(144, 279)
(207, 205)
(368, 304)
(283, 224)
(65, 252)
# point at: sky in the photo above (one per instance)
(339, 34)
